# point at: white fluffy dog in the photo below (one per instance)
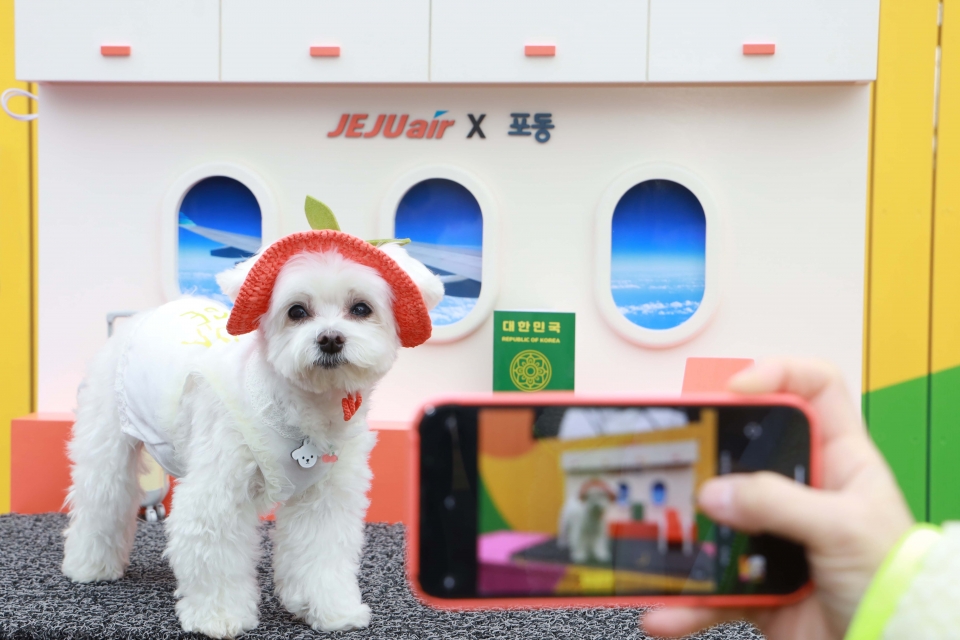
(583, 528)
(274, 415)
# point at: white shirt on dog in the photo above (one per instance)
(165, 350)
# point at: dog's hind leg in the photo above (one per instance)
(105, 494)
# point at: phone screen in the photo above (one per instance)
(537, 501)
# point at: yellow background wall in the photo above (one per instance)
(912, 338)
(16, 257)
(901, 218)
(944, 425)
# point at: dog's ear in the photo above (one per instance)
(430, 285)
(231, 280)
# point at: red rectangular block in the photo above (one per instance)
(710, 375)
(39, 468)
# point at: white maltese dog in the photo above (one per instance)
(260, 406)
(583, 528)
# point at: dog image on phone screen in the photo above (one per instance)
(583, 528)
(260, 407)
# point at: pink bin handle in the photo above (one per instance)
(115, 50)
(540, 50)
(324, 52)
(759, 49)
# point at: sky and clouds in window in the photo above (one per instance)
(657, 260)
(444, 218)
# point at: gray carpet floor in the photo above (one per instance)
(36, 601)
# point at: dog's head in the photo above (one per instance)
(330, 322)
(596, 496)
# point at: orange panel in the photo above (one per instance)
(710, 375)
(39, 468)
(390, 462)
(504, 432)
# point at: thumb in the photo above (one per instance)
(765, 502)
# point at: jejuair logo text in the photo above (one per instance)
(355, 125)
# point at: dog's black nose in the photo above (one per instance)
(331, 342)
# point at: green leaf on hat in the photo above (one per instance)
(319, 215)
(382, 241)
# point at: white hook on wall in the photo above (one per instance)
(13, 93)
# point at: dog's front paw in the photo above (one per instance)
(343, 618)
(202, 616)
(92, 570)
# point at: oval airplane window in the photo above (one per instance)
(219, 225)
(444, 222)
(658, 254)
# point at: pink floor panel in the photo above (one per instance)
(498, 575)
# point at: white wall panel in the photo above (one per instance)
(485, 40)
(814, 40)
(169, 40)
(379, 40)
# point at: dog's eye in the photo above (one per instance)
(297, 312)
(361, 310)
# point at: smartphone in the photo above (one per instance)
(561, 500)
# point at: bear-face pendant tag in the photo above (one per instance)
(307, 455)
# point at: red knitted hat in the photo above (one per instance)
(409, 309)
(596, 483)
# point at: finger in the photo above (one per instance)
(817, 381)
(765, 502)
(680, 621)
(804, 377)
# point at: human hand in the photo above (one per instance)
(847, 527)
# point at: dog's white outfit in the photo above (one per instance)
(170, 347)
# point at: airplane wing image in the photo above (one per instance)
(237, 245)
(460, 268)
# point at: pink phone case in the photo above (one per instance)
(569, 399)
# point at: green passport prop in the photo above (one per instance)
(533, 351)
